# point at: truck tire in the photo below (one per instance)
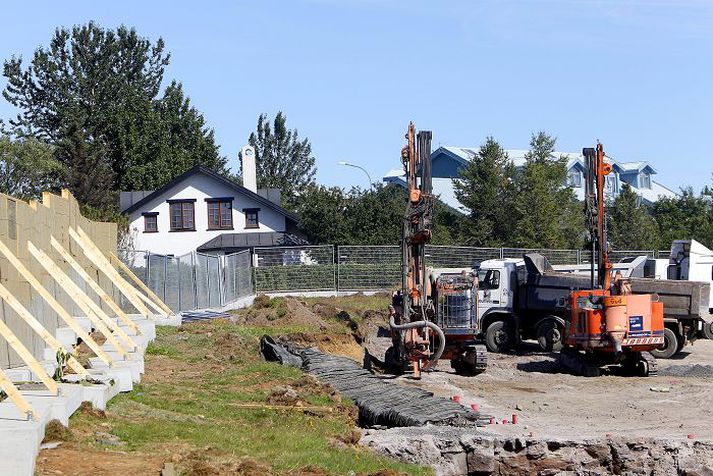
(708, 330)
(550, 335)
(499, 337)
(670, 346)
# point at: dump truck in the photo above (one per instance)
(520, 299)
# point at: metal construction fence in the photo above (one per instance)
(200, 281)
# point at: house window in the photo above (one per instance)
(220, 213)
(182, 215)
(251, 218)
(574, 179)
(645, 181)
(150, 222)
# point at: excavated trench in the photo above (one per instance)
(413, 425)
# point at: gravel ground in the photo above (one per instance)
(553, 404)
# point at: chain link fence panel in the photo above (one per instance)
(294, 268)
(368, 268)
(237, 275)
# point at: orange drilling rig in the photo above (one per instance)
(433, 316)
(608, 324)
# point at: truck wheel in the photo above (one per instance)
(550, 335)
(499, 337)
(669, 347)
(708, 330)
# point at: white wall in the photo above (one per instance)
(198, 187)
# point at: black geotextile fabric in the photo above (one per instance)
(383, 402)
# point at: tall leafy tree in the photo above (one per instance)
(27, 167)
(688, 216)
(283, 160)
(631, 226)
(322, 212)
(101, 87)
(544, 207)
(485, 189)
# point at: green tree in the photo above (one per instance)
(322, 211)
(375, 216)
(27, 167)
(283, 160)
(485, 189)
(685, 217)
(544, 207)
(630, 224)
(101, 87)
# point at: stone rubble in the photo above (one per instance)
(467, 451)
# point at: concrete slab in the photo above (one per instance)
(21, 443)
(124, 373)
(61, 406)
(66, 336)
(98, 394)
(173, 320)
(19, 374)
(84, 322)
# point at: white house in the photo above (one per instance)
(447, 162)
(203, 211)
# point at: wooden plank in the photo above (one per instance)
(11, 391)
(101, 262)
(150, 303)
(48, 338)
(28, 358)
(67, 256)
(120, 264)
(56, 306)
(78, 296)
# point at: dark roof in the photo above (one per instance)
(201, 169)
(250, 240)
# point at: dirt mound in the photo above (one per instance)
(285, 311)
(56, 431)
(228, 346)
(88, 409)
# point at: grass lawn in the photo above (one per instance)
(208, 404)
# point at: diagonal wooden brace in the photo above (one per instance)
(54, 304)
(67, 256)
(120, 264)
(95, 255)
(76, 294)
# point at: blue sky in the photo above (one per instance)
(349, 74)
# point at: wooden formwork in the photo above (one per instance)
(54, 268)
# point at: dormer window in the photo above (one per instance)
(574, 179)
(645, 180)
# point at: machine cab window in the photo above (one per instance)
(489, 279)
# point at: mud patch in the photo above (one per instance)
(56, 431)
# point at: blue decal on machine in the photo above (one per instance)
(636, 323)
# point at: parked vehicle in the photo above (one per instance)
(521, 299)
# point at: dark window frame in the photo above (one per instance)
(220, 201)
(181, 203)
(147, 216)
(250, 211)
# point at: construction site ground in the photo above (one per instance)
(209, 405)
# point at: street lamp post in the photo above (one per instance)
(357, 167)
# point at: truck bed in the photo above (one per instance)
(544, 289)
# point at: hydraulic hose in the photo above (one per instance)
(414, 325)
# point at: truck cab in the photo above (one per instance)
(497, 288)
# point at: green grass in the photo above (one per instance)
(198, 409)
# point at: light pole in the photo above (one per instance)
(357, 167)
